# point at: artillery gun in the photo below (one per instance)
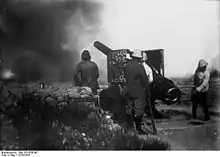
(162, 88)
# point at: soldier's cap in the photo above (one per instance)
(86, 55)
(137, 53)
(202, 63)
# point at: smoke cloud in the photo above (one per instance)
(56, 31)
(47, 36)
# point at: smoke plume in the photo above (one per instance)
(45, 36)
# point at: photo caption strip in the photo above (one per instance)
(18, 153)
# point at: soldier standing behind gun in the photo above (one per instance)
(87, 73)
(149, 73)
(201, 86)
(136, 86)
(148, 70)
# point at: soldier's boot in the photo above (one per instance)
(194, 110)
(138, 124)
(129, 121)
(207, 117)
(206, 113)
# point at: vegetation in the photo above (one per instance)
(69, 125)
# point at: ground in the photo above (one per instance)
(177, 131)
(184, 135)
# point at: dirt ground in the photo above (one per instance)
(176, 130)
(183, 135)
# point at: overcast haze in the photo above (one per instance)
(186, 29)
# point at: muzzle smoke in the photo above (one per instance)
(44, 36)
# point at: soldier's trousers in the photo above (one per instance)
(199, 98)
(136, 104)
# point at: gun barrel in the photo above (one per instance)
(101, 47)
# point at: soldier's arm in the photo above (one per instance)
(76, 74)
(97, 71)
(144, 76)
(205, 81)
(151, 76)
(145, 81)
(194, 79)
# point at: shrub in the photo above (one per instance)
(76, 126)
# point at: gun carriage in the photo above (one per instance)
(162, 88)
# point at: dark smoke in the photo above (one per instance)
(32, 32)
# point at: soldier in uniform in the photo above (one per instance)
(149, 73)
(87, 73)
(147, 68)
(201, 86)
(135, 91)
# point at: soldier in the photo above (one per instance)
(149, 73)
(148, 70)
(136, 86)
(87, 72)
(201, 86)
